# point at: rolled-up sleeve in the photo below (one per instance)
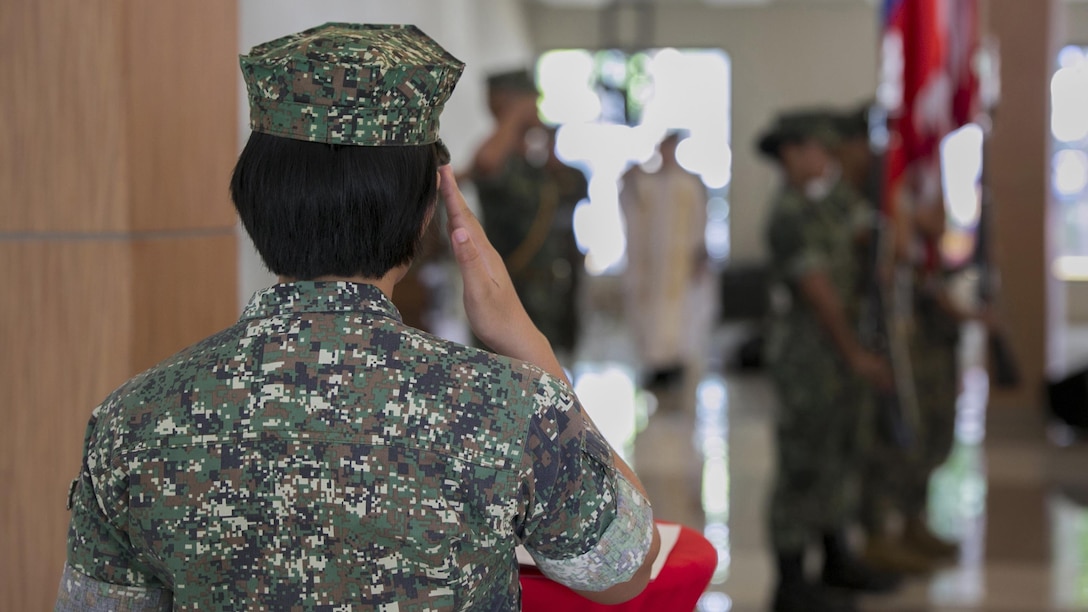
(588, 527)
(618, 553)
(82, 593)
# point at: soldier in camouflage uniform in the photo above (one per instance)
(934, 363)
(894, 480)
(898, 479)
(527, 198)
(817, 366)
(320, 454)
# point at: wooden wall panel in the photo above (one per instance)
(120, 120)
(183, 291)
(61, 142)
(182, 63)
(65, 314)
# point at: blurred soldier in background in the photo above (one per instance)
(527, 198)
(665, 215)
(886, 461)
(817, 366)
(897, 479)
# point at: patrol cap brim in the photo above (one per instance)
(817, 125)
(769, 144)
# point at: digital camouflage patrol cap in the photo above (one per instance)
(352, 84)
(799, 126)
(513, 80)
(853, 123)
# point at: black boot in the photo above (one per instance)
(664, 378)
(845, 571)
(795, 594)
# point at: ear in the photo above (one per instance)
(429, 216)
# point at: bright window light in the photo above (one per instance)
(608, 394)
(565, 79)
(1070, 268)
(1069, 165)
(1070, 172)
(1071, 57)
(613, 108)
(1069, 99)
(961, 169)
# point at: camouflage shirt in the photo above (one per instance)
(806, 236)
(321, 455)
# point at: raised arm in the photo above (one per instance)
(497, 317)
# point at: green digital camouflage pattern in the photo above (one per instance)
(319, 454)
(355, 84)
(511, 203)
(819, 400)
(935, 367)
(896, 479)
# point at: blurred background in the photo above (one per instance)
(119, 245)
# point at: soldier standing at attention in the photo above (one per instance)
(891, 483)
(816, 367)
(932, 340)
(527, 199)
(320, 454)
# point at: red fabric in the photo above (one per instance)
(963, 47)
(921, 119)
(939, 39)
(681, 582)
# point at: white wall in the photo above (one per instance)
(782, 56)
(488, 35)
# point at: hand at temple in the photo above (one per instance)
(494, 311)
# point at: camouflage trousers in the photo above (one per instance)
(820, 409)
(896, 480)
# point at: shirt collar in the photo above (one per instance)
(319, 296)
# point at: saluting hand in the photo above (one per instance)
(494, 311)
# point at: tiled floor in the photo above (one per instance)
(1017, 502)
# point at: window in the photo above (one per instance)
(613, 107)
(1069, 166)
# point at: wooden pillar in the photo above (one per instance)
(117, 242)
(1031, 299)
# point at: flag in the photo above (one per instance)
(928, 87)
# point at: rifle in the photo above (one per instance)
(1003, 363)
(896, 408)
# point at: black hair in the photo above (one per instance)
(315, 209)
